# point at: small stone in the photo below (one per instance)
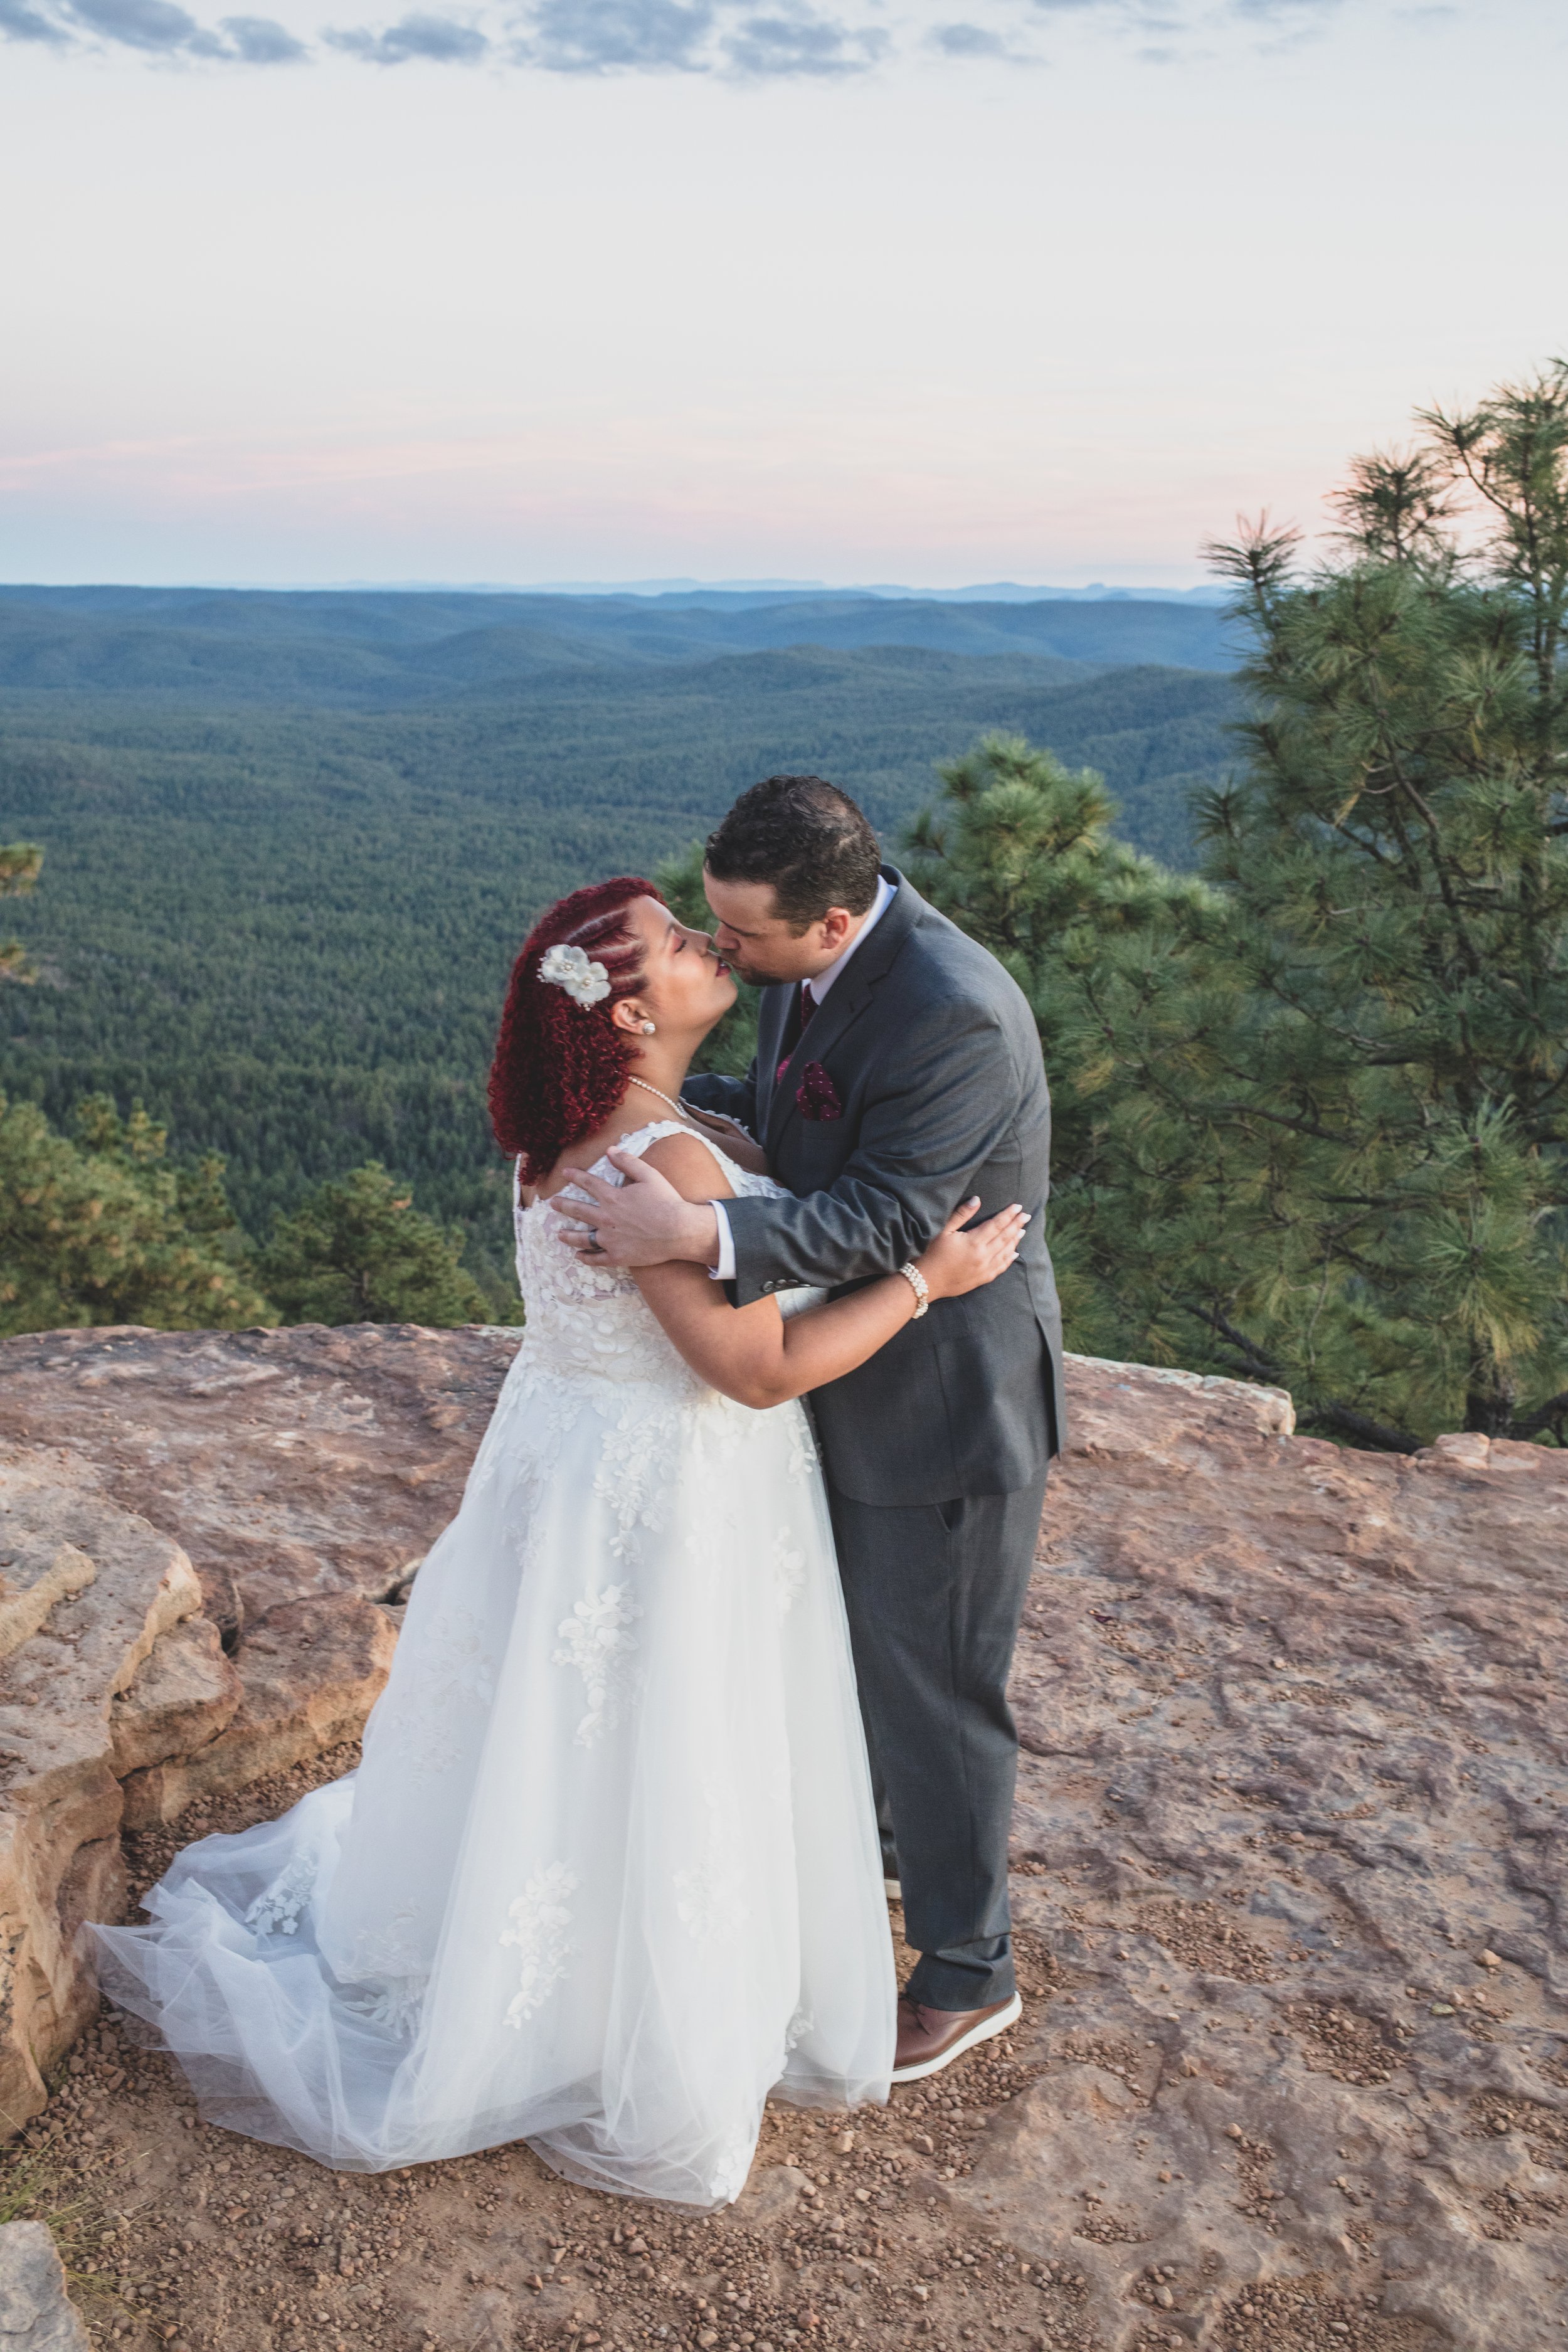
(1491, 1960)
(1442, 2008)
(1163, 2174)
(1164, 2297)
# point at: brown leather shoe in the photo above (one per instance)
(930, 2039)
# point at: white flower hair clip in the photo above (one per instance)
(569, 967)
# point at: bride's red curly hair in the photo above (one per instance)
(561, 1067)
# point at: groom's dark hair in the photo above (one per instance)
(805, 837)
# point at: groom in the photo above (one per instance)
(898, 1072)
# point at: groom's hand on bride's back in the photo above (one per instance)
(643, 1222)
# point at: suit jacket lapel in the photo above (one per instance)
(773, 1020)
(847, 1000)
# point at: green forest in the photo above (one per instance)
(1295, 941)
(287, 932)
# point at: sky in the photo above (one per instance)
(937, 291)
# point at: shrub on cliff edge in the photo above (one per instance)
(98, 1228)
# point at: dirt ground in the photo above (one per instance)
(178, 2235)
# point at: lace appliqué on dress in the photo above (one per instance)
(540, 1918)
(395, 2007)
(451, 1681)
(789, 1573)
(595, 1639)
(277, 1912)
(803, 1454)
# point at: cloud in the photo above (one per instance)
(260, 41)
(18, 23)
(967, 41)
(691, 37)
(440, 41)
(738, 39)
(156, 27)
(599, 35)
(152, 25)
(802, 44)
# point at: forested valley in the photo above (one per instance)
(285, 929)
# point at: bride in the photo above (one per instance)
(609, 1873)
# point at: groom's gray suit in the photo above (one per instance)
(936, 1450)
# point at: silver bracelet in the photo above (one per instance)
(917, 1283)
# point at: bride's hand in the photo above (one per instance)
(957, 1262)
(731, 1139)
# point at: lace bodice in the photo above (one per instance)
(591, 1321)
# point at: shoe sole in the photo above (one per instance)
(985, 2031)
(892, 1890)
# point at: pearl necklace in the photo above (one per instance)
(675, 1107)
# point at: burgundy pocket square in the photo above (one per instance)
(816, 1096)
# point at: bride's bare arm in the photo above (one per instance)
(757, 1356)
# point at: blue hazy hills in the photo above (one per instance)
(377, 649)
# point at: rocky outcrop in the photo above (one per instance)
(1292, 1821)
(287, 1464)
(1291, 1825)
(36, 2315)
(204, 1540)
(119, 1585)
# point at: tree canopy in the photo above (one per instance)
(358, 1251)
(99, 1227)
(1313, 1104)
(19, 867)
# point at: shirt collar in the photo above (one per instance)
(824, 981)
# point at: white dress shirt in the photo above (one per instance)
(726, 1269)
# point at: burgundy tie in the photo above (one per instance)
(807, 1007)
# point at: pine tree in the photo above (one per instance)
(1397, 856)
(20, 868)
(357, 1250)
(100, 1228)
(1311, 1108)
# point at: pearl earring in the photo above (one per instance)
(649, 1029)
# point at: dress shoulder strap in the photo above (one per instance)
(641, 1138)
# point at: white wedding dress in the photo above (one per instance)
(609, 1873)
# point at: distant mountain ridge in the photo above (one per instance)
(390, 648)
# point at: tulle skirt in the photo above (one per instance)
(608, 1873)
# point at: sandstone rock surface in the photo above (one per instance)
(1292, 1820)
(309, 1460)
(1292, 1816)
(120, 1702)
(123, 1585)
(35, 2313)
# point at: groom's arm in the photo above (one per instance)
(943, 1101)
(942, 1106)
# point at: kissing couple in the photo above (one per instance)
(693, 1671)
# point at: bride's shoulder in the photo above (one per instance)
(694, 1167)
